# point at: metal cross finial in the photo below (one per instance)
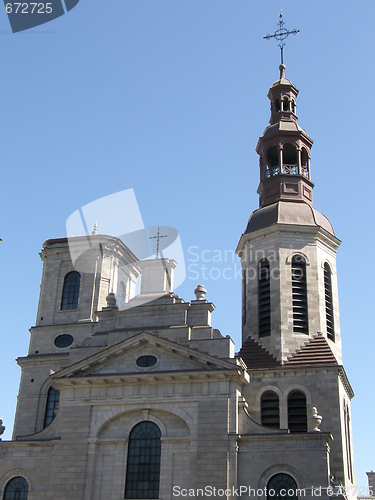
(157, 237)
(281, 34)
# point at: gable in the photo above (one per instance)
(122, 359)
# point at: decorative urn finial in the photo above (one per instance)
(95, 230)
(111, 300)
(200, 292)
(315, 420)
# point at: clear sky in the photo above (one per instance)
(169, 97)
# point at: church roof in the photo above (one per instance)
(316, 351)
(256, 356)
(286, 212)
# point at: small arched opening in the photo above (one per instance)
(305, 163)
(297, 412)
(272, 167)
(269, 410)
(290, 159)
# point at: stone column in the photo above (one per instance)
(281, 147)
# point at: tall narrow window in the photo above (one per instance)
(120, 294)
(143, 467)
(269, 410)
(264, 299)
(329, 302)
(297, 412)
(17, 489)
(70, 293)
(299, 294)
(281, 486)
(244, 286)
(53, 398)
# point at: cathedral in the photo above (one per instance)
(126, 396)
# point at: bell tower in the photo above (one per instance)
(284, 149)
(288, 249)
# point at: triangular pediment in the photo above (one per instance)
(121, 359)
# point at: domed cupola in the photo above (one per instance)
(284, 149)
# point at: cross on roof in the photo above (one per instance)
(158, 236)
(281, 34)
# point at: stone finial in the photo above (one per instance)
(2, 427)
(200, 292)
(314, 420)
(282, 68)
(95, 230)
(111, 300)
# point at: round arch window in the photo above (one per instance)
(64, 340)
(146, 361)
(282, 487)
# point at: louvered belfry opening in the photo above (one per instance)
(329, 302)
(269, 410)
(264, 298)
(297, 412)
(299, 294)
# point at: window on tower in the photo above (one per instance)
(297, 412)
(70, 292)
(143, 467)
(299, 295)
(53, 398)
(264, 298)
(269, 409)
(329, 302)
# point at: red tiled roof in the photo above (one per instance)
(316, 351)
(256, 356)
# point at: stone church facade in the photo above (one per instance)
(137, 397)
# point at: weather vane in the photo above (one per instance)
(157, 237)
(281, 34)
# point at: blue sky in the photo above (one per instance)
(169, 97)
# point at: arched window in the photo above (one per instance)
(282, 486)
(304, 163)
(143, 467)
(299, 295)
(120, 294)
(272, 160)
(264, 298)
(269, 409)
(297, 412)
(329, 302)
(286, 104)
(70, 293)
(53, 398)
(290, 161)
(17, 489)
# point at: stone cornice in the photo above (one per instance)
(288, 228)
(153, 377)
